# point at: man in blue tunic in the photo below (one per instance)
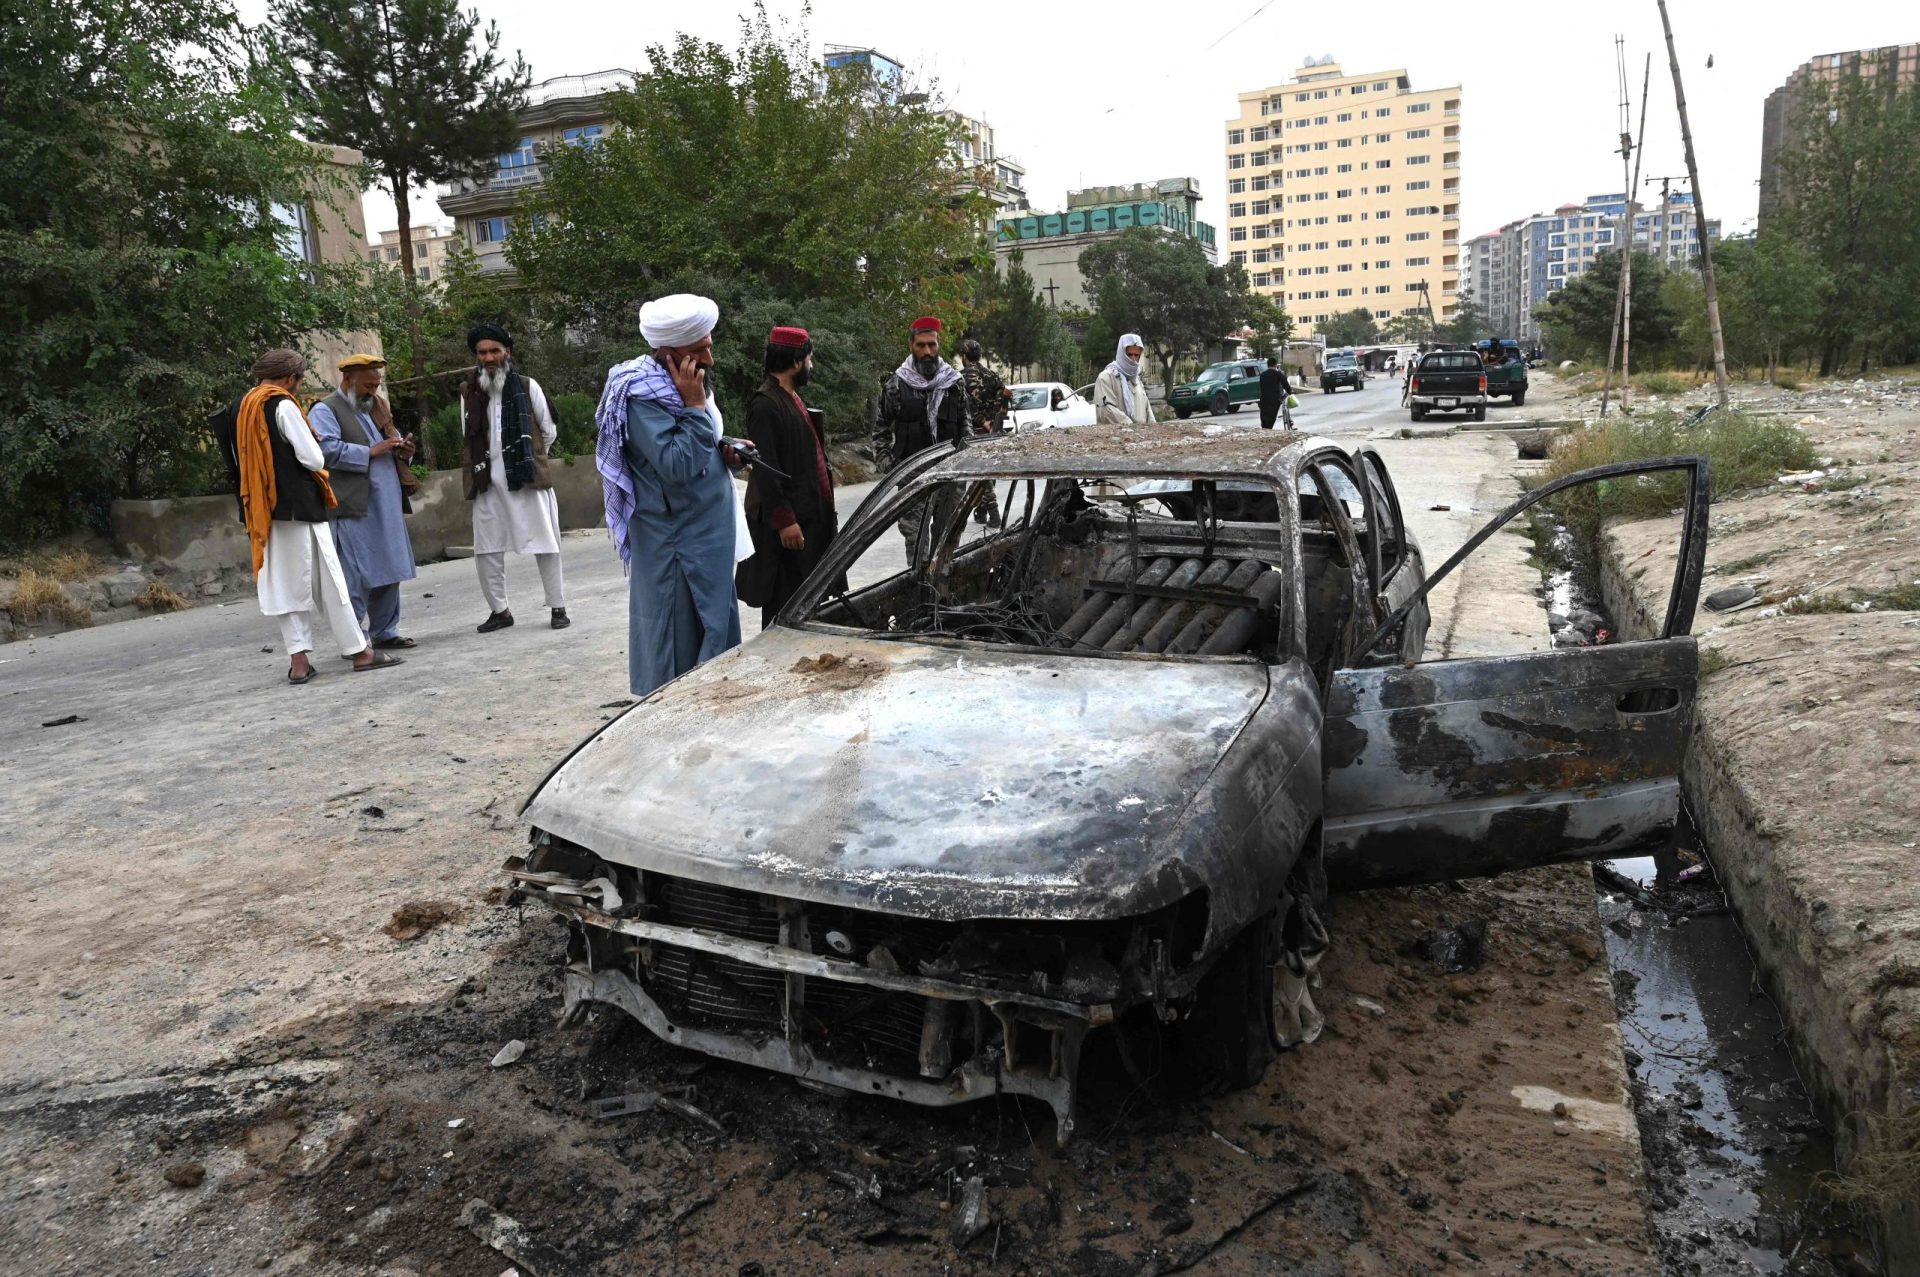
(670, 500)
(367, 461)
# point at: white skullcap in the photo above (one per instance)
(679, 320)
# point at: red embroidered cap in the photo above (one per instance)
(927, 324)
(788, 337)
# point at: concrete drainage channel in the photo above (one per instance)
(1732, 1143)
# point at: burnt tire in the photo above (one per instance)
(1227, 1042)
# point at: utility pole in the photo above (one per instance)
(1699, 215)
(1623, 299)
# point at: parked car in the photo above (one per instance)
(1220, 388)
(1089, 771)
(1041, 405)
(1448, 381)
(1342, 369)
(1506, 371)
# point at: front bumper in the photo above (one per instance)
(913, 1037)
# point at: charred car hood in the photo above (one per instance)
(912, 778)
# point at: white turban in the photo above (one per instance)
(679, 320)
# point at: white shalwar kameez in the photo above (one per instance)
(523, 522)
(300, 573)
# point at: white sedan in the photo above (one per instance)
(1041, 405)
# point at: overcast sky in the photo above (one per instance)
(1095, 93)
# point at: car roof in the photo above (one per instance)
(1200, 450)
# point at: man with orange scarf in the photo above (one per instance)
(284, 497)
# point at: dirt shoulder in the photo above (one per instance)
(1807, 740)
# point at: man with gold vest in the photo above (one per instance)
(367, 462)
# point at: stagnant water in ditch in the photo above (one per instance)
(1732, 1143)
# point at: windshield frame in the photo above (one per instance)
(881, 519)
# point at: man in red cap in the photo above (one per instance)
(921, 404)
(792, 519)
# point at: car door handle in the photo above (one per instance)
(1643, 701)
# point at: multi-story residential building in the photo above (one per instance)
(330, 230)
(569, 110)
(1519, 266)
(431, 245)
(1001, 178)
(1050, 244)
(1897, 64)
(1343, 192)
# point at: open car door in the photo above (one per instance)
(1467, 768)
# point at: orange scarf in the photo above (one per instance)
(258, 490)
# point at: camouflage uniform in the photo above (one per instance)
(987, 411)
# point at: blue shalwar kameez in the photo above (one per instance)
(375, 552)
(681, 537)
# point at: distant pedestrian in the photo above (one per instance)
(367, 460)
(1120, 391)
(792, 519)
(670, 501)
(1273, 389)
(284, 499)
(987, 399)
(922, 404)
(509, 428)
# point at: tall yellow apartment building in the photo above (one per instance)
(1343, 191)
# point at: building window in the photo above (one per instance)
(1258, 159)
(1236, 136)
(1418, 186)
(1262, 232)
(1259, 134)
(374, 256)
(1259, 183)
(1344, 217)
(1343, 243)
(1383, 163)
(1359, 89)
(490, 230)
(1236, 160)
(1419, 132)
(1384, 264)
(1262, 207)
(1383, 137)
(1343, 117)
(1345, 268)
(1379, 86)
(1343, 292)
(393, 252)
(1236, 185)
(1414, 108)
(1237, 234)
(1418, 261)
(1236, 210)
(1263, 279)
(1343, 168)
(1344, 193)
(586, 135)
(1412, 235)
(424, 273)
(1301, 97)
(1419, 159)
(1319, 146)
(1240, 257)
(1262, 254)
(517, 161)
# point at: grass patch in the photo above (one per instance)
(40, 598)
(1815, 605)
(1742, 452)
(1713, 660)
(1885, 1174)
(1901, 598)
(1787, 383)
(1841, 482)
(161, 597)
(67, 563)
(1663, 383)
(1751, 562)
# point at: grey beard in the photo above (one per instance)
(492, 380)
(355, 401)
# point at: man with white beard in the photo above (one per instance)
(509, 428)
(367, 462)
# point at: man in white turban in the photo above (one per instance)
(671, 506)
(1120, 391)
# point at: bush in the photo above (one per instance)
(574, 415)
(1742, 452)
(446, 437)
(1785, 382)
(1664, 383)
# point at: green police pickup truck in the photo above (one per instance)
(1219, 388)
(1506, 372)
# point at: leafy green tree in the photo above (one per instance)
(1408, 329)
(1468, 324)
(754, 164)
(1350, 328)
(149, 250)
(1011, 319)
(1580, 316)
(1162, 287)
(1272, 326)
(1850, 198)
(405, 83)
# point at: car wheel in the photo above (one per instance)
(1298, 944)
(1519, 397)
(1227, 1041)
(1218, 406)
(1480, 413)
(1183, 413)
(1419, 414)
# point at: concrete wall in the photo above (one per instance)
(198, 535)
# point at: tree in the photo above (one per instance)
(1468, 324)
(146, 252)
(1351, 328)
(402, 82)
(1272, 326)
(1010, 318)
(1850, 198)
(1580, 316)
(1408, 330)
(1162, 287)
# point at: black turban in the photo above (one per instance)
(487, 332)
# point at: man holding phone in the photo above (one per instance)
(368, 462)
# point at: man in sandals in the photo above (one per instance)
(367, 460)
(284, 498)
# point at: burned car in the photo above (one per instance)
(982, 790)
